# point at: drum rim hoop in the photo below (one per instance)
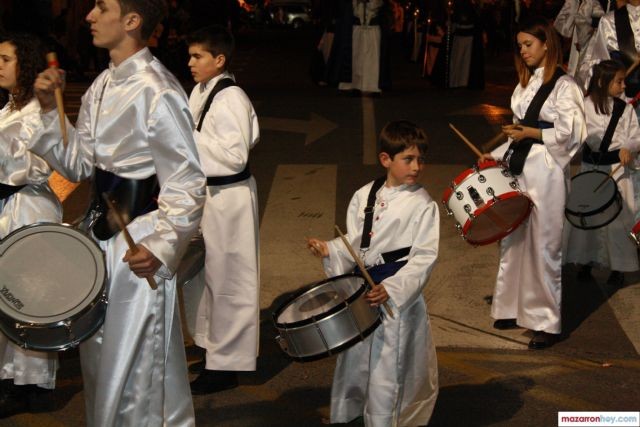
(331, 311)
(499, 236)
(618, 198)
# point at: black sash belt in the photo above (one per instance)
(9, 190)
(229, 179)
(132, 198)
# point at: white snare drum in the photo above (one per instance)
(486, 203)
(51, 287)
(588, 208)
(325, 318)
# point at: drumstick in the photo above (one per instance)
(608, 176)
(493, 141)
(365, 273)
(132, 245)
(52, 62)
(466, 141)
(632, 67)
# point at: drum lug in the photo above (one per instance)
(482, 179)
(467, 209)
(459, 195)
(283, 344)
(514, 185)
(446, 208)
(505, 173)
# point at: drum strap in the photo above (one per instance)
(517, 153)
(365, 241)
(628, 52)
(9, 190)
(222, 84)
(133, 197)
(603, 156)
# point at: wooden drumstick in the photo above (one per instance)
(132, 245)
(493, 141)
(52, 62)
(608, 176)
(466, 141)
(632, 67)
(365, 273)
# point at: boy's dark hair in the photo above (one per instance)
(400, 135)
(603, 74)
(216, 40)
(30, 61)
(151, 11)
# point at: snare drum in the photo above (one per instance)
(588, 208)
(325, 318)
(52, 293)
(486, 203)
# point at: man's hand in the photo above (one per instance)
(143, 263)
(45, 85)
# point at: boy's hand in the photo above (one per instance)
(376, 296)
(143, 263)
(318, 248)
(45, 85)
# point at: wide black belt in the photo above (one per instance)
(598, 158)
(131, 197)
(9, 190)
(390, 267)
(229, 179)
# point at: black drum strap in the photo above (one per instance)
(618, 109)
(9, 190)
(368, 213)
(222, 84)
(517, 153)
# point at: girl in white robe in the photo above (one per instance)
(390, 378)
(20, 60)
(528, 286)
(608, 246)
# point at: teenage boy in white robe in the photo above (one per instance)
(391, 377)
(227, 324)
(134, 123)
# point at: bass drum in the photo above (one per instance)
(52, 293)
(325, 318)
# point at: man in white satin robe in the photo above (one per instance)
(134, 122)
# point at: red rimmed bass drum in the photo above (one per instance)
(486, 202)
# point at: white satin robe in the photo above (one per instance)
(134, 121)
(608, 246)
(227, 324)
(528, 286)
(392, 376)
(33, 203)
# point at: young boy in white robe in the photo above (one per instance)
(227, 323)
(391, 377)
(608, 246)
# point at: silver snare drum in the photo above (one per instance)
(588, 208)
(52, 292)
(325, 318)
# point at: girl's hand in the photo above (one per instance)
(519, 132)
(318, 248)
(625, 156)
(376, 296)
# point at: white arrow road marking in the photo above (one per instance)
(314, 128)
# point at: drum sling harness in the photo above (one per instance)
(229, 179)
(517, 153)
(603, 156)
(391, 264)
(132, 198)
(7, 191)
(627, 53)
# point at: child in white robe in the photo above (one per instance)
(391, 377)
(608, 246)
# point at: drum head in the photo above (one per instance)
(48, 273)
(584, 199)
(498, 220)
(319, 300)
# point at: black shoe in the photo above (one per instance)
(197, 367)
(213, 381)
(616, 279)
(505, 324)
(542, 340)
(585, 272)
(13, 399)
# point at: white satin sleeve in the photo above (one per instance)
(182, 183)
(76, 161)
(407, 284)
(631, 129)
(606, 39)
(565, 110)
(229, 131)
(564, 22)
